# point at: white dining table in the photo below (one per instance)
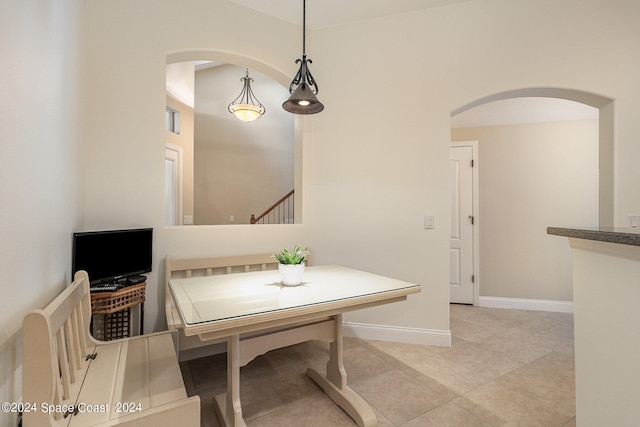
(254, 314)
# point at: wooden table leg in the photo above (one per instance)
(227, 406)
(335, 385)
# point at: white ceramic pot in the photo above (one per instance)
(291, 274)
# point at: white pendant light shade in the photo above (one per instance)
(246, 106)
(246, 112)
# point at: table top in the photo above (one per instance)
(255, 295)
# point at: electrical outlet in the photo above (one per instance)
(187, 220)
(634, 220)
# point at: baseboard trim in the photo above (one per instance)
(397, 334)
(527, 304)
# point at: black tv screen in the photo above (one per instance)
(112, 254)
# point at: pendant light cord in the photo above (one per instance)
(304, 29)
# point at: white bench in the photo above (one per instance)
(71, 379)
(193, 267)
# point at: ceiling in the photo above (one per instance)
(330, 13)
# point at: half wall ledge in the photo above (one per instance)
(622, 236)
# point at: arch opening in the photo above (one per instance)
(605, 106)
(515, 161)
(255, 150)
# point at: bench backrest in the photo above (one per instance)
(218, 265)
(56, 344)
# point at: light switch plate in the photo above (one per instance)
(429, 222)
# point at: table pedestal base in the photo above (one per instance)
(334, 383)
(347, 399)
(220, 405)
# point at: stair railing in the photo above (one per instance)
(281, 212)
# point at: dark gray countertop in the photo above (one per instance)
(623, 236)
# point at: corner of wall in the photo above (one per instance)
(10, 377)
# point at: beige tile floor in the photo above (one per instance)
(505, 368)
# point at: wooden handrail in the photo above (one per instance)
(254, 220)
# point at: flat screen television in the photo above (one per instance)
(112, 256)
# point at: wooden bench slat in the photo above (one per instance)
(181, 413)
(76, 358)
(165, 375)
(67, 374)
(99, 385)
(135, 373)
(73, 338)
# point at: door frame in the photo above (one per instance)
(476, 215)
(175, 153)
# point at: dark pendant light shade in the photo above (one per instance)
(303, 98)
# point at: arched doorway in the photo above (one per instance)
(605, 106)
(600, 203)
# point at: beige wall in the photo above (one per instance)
(532, 176)
(606, 294)
(373, 163)
(126, 61)
(376, 161)
(184, 140)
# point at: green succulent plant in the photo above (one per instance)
(294, 256)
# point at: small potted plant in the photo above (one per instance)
(291, 265)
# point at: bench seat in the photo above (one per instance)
(75, 380)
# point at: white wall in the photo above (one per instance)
(531, 176)
(41, 173)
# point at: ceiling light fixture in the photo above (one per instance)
(303, 99)
(246, 106)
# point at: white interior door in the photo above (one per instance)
(462, 225)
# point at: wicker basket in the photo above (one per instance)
(111, 302)
(111, 314)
